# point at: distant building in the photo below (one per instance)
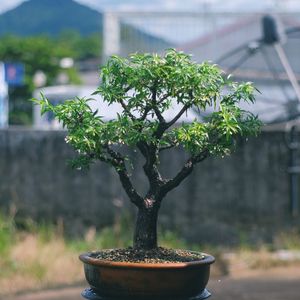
(210, 36)
(260, 64)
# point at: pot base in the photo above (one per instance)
(90, 294)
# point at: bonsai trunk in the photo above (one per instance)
(145, 235)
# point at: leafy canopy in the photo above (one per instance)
(145, 86)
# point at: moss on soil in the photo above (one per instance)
(158, 255)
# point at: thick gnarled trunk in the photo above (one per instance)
(145, 235)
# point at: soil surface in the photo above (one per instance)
(158, 255)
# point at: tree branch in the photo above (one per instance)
(183, 173)
(150, 167)
(118, 162)
(146, 111)
(163, 126)
(159, 115)
(166, 147)
(162, 99)
(125, 107)
(154, 103)
(178, 116)
(182, 111)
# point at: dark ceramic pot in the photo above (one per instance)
(146, 281)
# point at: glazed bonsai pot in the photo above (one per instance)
(126, 280)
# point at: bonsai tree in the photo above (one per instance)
(145, 86)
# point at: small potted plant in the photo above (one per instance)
(146, 86)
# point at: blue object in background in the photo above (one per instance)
(14, 74)
(3, 98)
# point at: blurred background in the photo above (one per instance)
(244, 209)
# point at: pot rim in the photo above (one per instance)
(86, 258)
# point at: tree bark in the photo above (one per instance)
(145, 235)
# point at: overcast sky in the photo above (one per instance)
(251, 5)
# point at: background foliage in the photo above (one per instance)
(43, 53)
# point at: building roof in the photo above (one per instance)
(234, 48)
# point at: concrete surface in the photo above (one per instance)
(255, 288)
(222, 201)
